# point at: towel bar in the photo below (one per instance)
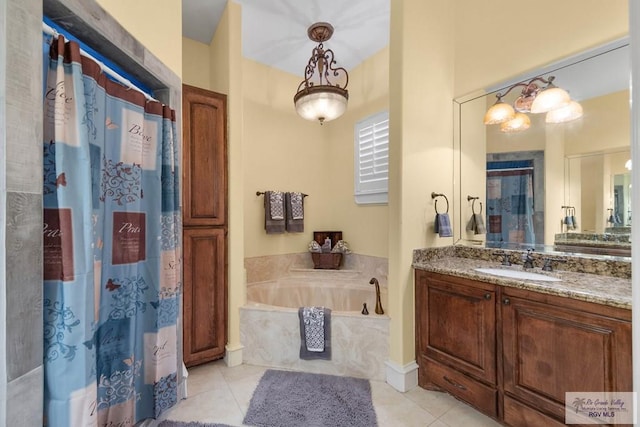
(261, 193)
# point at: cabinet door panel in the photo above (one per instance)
(551, 350)
(459, 326)
(204, 158)
(204, 295)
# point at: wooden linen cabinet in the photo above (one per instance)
(205, 224)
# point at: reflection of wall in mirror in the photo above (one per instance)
(605, 129)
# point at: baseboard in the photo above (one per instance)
(402, 378)
(233, 356)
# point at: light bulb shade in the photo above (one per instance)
(570, 112)
(628, 165)
(519, 123)
(550, 99)
(499, 112)
(322, 103)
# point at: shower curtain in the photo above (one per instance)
(510, 202)
(111, 248)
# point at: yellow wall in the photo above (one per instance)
(196, 67)
(281, 152)
(500, 39)
(605, 125)
(227, 77)
(220, 50)
(365, 226)
(284, 152)
(157, 24)
(421, 157)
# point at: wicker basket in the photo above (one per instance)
(328, 261)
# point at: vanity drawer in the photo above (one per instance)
(519, 415)
(480, 396)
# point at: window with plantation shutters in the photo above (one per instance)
(372, 159)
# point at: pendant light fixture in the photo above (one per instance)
(549, 99)
(322, 95)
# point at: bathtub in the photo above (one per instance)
(270, 333)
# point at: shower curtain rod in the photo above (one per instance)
(47, 29)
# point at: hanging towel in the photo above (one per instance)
(310, 347)
(274, 222)
(295, 212)
(443, 225)
(314, 328)
(476, 224)
(480, 228)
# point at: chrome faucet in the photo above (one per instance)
(379, 309)
(527, 259)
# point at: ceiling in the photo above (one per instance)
(274, 32)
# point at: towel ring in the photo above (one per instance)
(473, 208)
(473, 204)
(435, 196)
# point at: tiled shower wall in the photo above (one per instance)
(21, 212)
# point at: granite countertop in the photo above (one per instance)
(605, 282)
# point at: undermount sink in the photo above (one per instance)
(518, 274)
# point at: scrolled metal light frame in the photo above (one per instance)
(321, 75)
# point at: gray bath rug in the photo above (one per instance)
(294, 399)
(189, 424)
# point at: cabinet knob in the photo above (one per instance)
(506, 301)
(487, 296)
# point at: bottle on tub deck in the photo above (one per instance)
(326, 246)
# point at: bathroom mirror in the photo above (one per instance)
(555, 166)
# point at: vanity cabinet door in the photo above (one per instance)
(552, 346)
(457, 324)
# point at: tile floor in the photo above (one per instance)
(219, 394)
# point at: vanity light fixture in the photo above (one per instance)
(628, 165)
(318, 97)
(533, 98)
(519, 123)
(569, 112)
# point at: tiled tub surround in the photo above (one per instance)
(603, 280)
(278, 285)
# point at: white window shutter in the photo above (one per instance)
(371, 159)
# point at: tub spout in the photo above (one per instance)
(379, 309)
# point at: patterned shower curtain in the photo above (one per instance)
(111, 248)
(510, 202)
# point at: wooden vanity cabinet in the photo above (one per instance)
(513, 353)
(456, 338)
(551, 345)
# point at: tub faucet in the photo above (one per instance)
(379, 309)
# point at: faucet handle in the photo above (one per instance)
(505, 257)
(548, 266)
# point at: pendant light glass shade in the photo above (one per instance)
(550, 99)
(321, 103)
(499, 112)
(570, 112)
(519, 123)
